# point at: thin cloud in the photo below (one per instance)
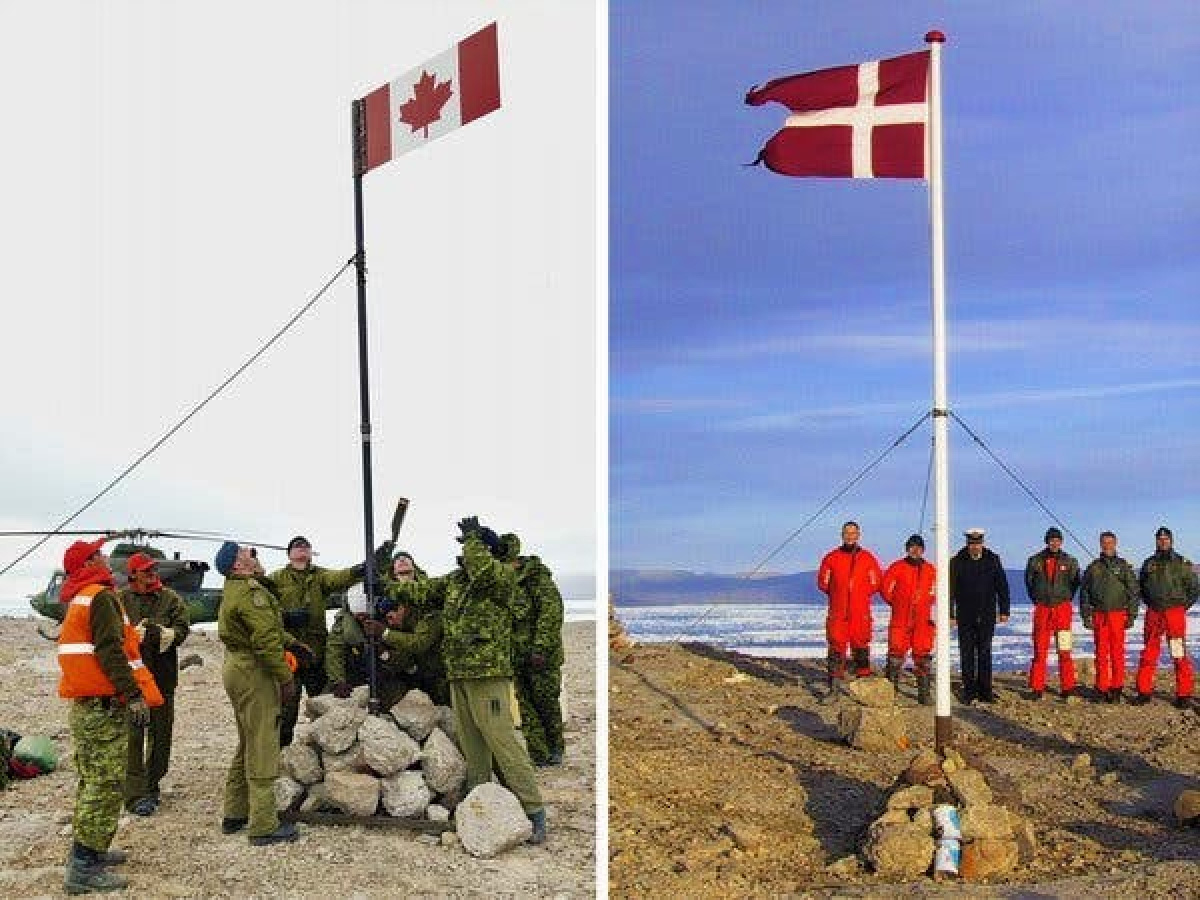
(793, 421)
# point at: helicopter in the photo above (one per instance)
(184, 576)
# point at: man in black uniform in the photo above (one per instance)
(978, 599)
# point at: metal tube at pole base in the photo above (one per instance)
(943, 733)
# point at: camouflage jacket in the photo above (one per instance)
(250, 623)
(478, 601)
(163, 608)
(309, 589)
(540, 628)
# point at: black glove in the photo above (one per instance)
(491, 540)
(341, 690)
(468, 527)
(150, 642)
(1088, 622)
(537, 662)
(373, 628)
(360, 571)
(139, 713)
(295, 618)
(383, 556)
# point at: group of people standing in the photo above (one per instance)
(487, 632)
(1109, 593)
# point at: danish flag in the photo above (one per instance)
(862, 121)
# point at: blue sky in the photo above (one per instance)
(770, 336)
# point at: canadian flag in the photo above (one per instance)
(457, 86)
(863, 121)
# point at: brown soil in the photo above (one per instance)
(728, 778)
(180, 852)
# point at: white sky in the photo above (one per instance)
(176, 183)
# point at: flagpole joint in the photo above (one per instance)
(939, 413)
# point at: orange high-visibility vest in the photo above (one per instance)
(82, 674)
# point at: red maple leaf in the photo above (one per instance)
(426, 104)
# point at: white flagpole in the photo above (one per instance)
(943, 727)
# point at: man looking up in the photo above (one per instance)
(303, 590)
(257, 681)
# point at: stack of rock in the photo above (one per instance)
(942, 807)
(402, 763)
(872, 721)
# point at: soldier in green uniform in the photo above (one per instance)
(257, 680)
(408, 639)
(478, 599)
(97, 676)
(303, 590)
(162, 624)
(538, 655)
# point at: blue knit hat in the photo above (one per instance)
(226, 557)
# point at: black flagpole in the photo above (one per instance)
(359, 120)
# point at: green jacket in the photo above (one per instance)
(1168, 580)
(1043, 591)
(250, 623)
(478, 600)
(309, 589)
(164, 608)
(1109, 584)
(108, 637)
(540, 630)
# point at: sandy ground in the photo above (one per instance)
(180, 852)
(728, 778)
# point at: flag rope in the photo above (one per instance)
(195, 409)
(1026, 488)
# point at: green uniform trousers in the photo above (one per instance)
(488, 736)
(149, 752)
(541, 713)
(312, 679)
(250, 784)
(101, 735)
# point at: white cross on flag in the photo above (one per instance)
(457, 86)
(863, 121)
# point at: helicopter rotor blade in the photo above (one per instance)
(64, 533)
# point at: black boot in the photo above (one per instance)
(924, 690)
(862, 661)
(835, 663)
(891, 671)
(85, 874)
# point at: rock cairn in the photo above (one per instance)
(942, 819)
(402, 763)
(872, 721)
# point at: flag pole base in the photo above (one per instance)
(943, 733)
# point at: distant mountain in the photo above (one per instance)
(664, 587)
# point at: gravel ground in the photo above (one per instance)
(180, 852)
(728, 778)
